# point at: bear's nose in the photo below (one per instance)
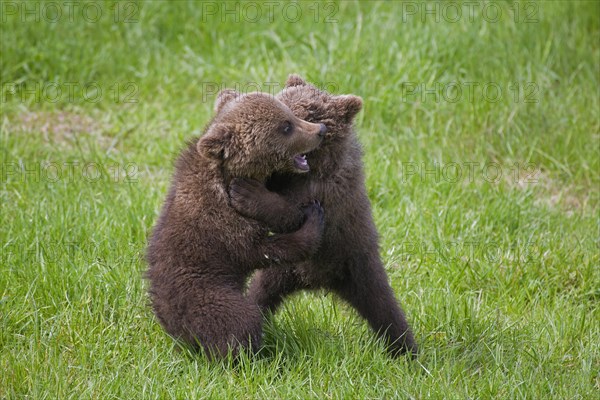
(323, 130)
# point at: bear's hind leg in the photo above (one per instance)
(221, 320)
(369, 292)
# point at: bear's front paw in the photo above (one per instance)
(244, 195)
(315, 219)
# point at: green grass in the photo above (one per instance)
(499, 276)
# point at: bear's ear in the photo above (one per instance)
(215, 142)
(348, 106)
(224, 97)
(294, 80)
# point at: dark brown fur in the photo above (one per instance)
(347, 261)
(202, 251)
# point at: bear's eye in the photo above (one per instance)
(287, 127)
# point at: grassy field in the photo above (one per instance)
(481, 136)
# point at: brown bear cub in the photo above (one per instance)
(347, 261)
(202, 251)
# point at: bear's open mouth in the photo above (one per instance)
(301, 163)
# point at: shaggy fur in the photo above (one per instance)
(347, 261)
(202, 251)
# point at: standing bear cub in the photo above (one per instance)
(202, 251)
(347, 261)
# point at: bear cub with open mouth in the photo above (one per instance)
(347, 261)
